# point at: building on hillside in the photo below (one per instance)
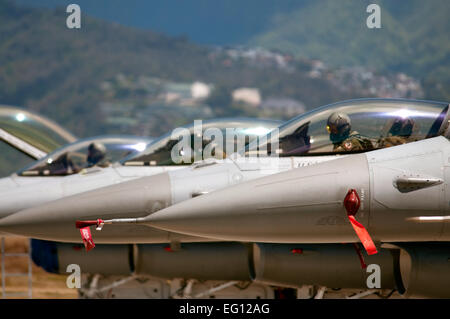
(249, 96)
(200, 90)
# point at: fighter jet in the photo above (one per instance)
(91, 156)
(70, 170)
(387, 199)
(400, 194)
(301, 142)
(430, 123)
(395, 198)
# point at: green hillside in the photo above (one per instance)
(414, 37)
(60, 72)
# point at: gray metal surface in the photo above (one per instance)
(306, 205)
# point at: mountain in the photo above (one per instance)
(57, 71)
(413, 37)
(219, 22)
(63, 72)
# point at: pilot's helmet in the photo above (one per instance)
(96, 153)
(402, 126)
(339, 126)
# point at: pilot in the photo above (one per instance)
(399, 133)
(97, 155)
(342, 136)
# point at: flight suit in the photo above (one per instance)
(354, 142)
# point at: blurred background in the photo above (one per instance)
(144, 67)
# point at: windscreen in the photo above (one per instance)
(354, 126)
(83, 154)
(33, 129)
(233, 131)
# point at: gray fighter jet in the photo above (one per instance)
(395, 198)
(387, 199)
(88, 163)
(400, 194)
(426, 124)
(70, 170)
(90, 156)
(301, 142)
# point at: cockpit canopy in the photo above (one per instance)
(33, 129)
(91, 152)
(372, 123)
(160, 152)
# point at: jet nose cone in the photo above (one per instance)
(20, 224)
(211, 215)
(301, 205)
(56, 220)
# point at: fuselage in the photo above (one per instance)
(51, 205)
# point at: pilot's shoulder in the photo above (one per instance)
(356, 136)
(360, 138)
